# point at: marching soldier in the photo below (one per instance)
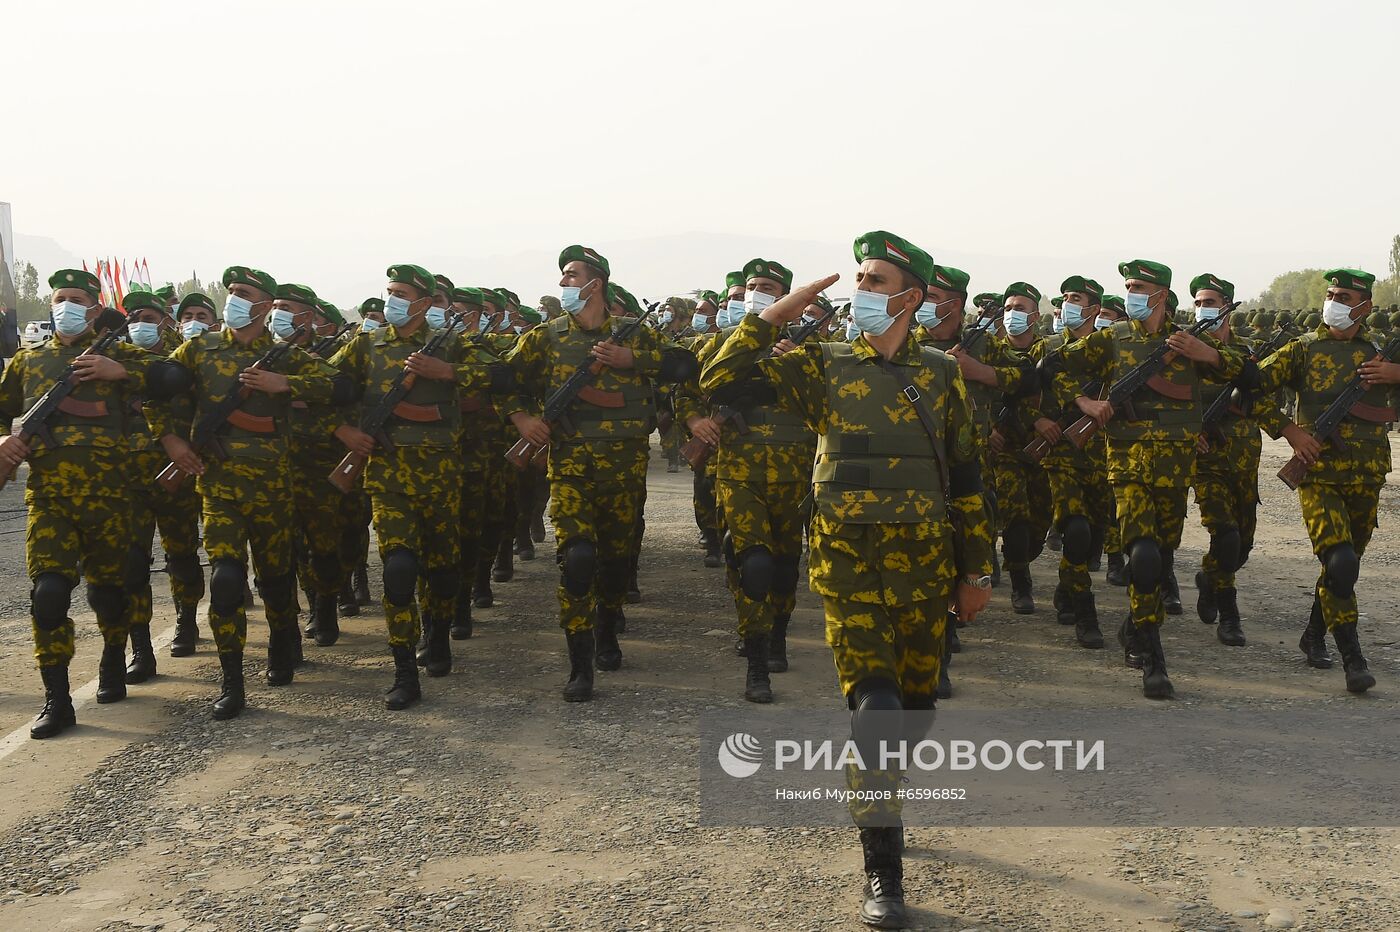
(79, 523)
(196, 314)
(1340, 492)
(501, 476)
(900, 529)
(1111, 311)
(1151, 457)
(246, 494)
(595, 474)
(356, 511)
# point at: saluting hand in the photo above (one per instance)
(793, 304)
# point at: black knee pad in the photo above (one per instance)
(226, 583)
(400, 576)
(50, 599)
(578, 562)
(785, 574)
(1343, 567)
(276, 592)
(1077, 539)
(757, 570)
(1016, 542)
(876, 716)
(138, 569)
(326, 565)
(1225, 548)
(1145, 564)
(108, 602)
(443, 581)
(184, 567)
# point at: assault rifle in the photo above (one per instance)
(804, 332)
(376, 420)
(556, 406)
(977, 331)
(324, 345)
(1325, 430)
(55, 400)
(1238, 397)
(208, 429)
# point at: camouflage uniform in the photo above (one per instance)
(482, 458)
(1024, 508)
(79, 518)
(320, 511)
(502, 480)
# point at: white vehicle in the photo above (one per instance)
(37, 331)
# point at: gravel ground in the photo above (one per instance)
(494, 805)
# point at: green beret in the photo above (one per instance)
(1082, 284)
(301, 294)
(733, 279)
(166, 293)
(587, 257)
(821, 302)
(255, 278)
(1172, 302)
(950, 279)
(1353, 279)
(709, 296)
(766, 268)
(1023, 290)
(414, 276)
(1213, 283)
(196, 299)
(1113, 302)
(878, 244)
(77, 278)
(986, 296)
(1058, 303)
(509, 297)
(619, 295)
(144, 301)
(443, 283)
(471, 297)
(371, 306)
(532, 315)
(489, 297)
(1146, 270)
(330, 312)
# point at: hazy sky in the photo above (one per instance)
(323, 141)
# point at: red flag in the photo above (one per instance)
(146, 270)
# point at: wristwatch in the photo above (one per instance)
(978, 582)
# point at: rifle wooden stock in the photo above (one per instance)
(524, 453)
(1081, 431)
(1292, 472)
(171, 478)
(696, 452)
(347, 471)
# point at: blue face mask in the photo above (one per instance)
(437, 318)
(238, 312)
(571, 298)
(1209, 313)
(504, 325)
(1072, 315)
(1017, 322)
(396, 310)
(1136, 306)
(1102, 323)
(193, 328)
(852, 330)
(282, 323)
(70, 318)
(733, 312)
(928, 315)
(142, 334)
(368, 324)
(871, 311)
(699, 323)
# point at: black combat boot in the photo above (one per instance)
(310, 629)
(1064, 606)
(1086, 620)
(609, 652)
(143, 655)
(349, 605)
(1359, 678)
(580, 685)
(1229, 632)
(281, 658)
(1155, 684)
(713, 560)
(537, 523)
(420, 649)
(524, 545)
(1095, 550)
(186, 632)
(954, 639)
(777, 644)
(996, 568)
(1117, 574)
(1171, 592)
(757, 687)
(439, 646)
(57, 713)
(944, 690)
(504, 570)
(327, 622)
(884, 878)
(634, 592)
(362, 585)
(230, 701)
(1313, 643)
(462, 619)
(482, 596)
(1130, 642)
(405, 691)
(1022, 601)
(111, 674)
(1207, 604)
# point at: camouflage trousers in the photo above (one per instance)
(1227, 494)
(427, 527)
(899, 643)
(1083, 493)
(1157, 514)
(1333, 514)
(1023, 501)
(318, 510)
(472, 510)
(177, 517)
(602, 509)
(502, 480)
(706, 504)
(88, 534)
(355, 517)
(768, 515)
(233, 528)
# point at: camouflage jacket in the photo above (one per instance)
(482, 432)
(1013, 376)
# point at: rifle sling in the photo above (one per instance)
(1375, 414)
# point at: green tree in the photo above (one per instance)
(31, 305)
(1305, 288)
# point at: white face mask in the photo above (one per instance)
(1337, 315)
(755, 301)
